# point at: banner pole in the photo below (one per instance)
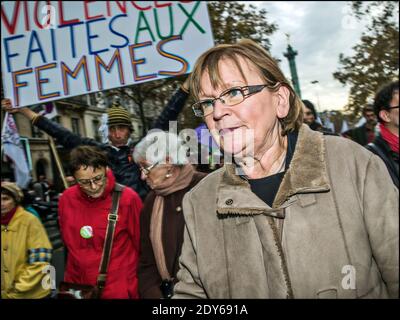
(58, 162)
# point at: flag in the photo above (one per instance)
(47, 110)
(13, 150)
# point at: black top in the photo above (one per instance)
(382, 149)
(267, 188)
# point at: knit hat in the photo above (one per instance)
(13, 189)
(118, 116)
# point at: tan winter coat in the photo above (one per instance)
(333, 231)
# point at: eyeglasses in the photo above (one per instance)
(147, 170)
(396, 107)
(96, 180)
(229, 97)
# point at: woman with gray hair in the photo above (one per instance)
(162, 159)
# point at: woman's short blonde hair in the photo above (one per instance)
(264, 63)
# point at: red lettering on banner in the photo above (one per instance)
(11, 25)
(139, 7)
(61, 15)
(165, 4)
(122, 7)
(87, 17)
(27, 27)
(35, 15)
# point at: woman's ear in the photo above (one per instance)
(282, 109)
(384, 115)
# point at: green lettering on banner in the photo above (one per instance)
(171, 24)
(190, 18)
(139, 28)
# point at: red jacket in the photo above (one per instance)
(76, 210)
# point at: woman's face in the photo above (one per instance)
(308, 116)
(92, 181)
(243, 129)
(155, 175)
(7, 203)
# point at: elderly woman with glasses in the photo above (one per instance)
(163, 162)
(296, 213)
(83, 216)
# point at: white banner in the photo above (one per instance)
(56, 49)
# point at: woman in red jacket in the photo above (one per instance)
(83, 212)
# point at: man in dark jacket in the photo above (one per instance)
(120, 148)
(386, 144)
(366, 133)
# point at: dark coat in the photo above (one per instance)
(388, 156)
(358, 134)
(172, 235)
(124, 168)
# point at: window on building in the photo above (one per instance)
(75, 125)
(95, 126)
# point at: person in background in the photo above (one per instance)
(25, 249)
(165, 168)
(41, 188)
(27, 201)
(293, 209)
(120, 148)
(386, 144)
(311, 116)
(83, 218)
(366, 133)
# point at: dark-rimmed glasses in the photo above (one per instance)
(229, 97)
(96, 180)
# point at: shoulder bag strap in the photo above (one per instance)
(112, 221)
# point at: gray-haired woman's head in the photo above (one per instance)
(161, 147)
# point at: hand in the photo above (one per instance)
(7, 106)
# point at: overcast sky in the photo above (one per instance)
(319, 31)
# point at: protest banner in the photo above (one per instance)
(57, 49)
